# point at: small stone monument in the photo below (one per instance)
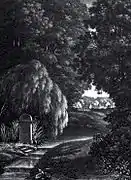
(25, 129)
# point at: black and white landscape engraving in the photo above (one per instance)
(65, 90)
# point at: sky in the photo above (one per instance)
(93, 93)
(88, 2)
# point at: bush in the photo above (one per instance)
(9, 133)
(38, 133)
(113, 151)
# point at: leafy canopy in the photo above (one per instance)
(106, 48)
(46, 31)
(106, 52)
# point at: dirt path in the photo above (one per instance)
(20, 168)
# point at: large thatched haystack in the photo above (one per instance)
(28, 89)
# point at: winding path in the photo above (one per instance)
(20, 168)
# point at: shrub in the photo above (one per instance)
(4, 133)
(113, 151)
(9, 133)
(38, 133)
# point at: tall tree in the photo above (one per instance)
(9, 47)
(47, 31)
(108, 47)
(106, 52)
(108, 56)
(28, 88)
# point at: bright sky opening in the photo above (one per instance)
(94, 93)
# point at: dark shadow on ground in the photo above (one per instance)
(69, 159)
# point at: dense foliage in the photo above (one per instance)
(113, 151)
(29, 89)
(46, 31)
(53, 33)
(106, 51)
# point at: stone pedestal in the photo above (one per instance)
(25, 129)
